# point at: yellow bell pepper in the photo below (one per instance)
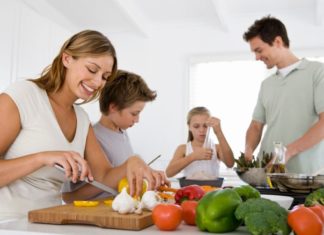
(86, 203)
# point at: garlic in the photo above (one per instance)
(124, 203)
(149, 200)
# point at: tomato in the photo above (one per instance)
(167, 216)
(304, 221)
(319, 211)
(189, 211)
(86, 203)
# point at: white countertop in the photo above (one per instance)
(22, 227)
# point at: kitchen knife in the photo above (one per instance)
(153, 160)
(95, 183)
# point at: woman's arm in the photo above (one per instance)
(16, 168)
(11, 170)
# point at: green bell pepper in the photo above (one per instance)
(215, 211)
(246, 192)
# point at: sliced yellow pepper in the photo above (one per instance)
(269, 182)
(86, 203)
(124, 183)
(108, 202)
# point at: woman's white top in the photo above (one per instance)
(39, 132)
(202, 169)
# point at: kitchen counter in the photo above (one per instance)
(23, 227)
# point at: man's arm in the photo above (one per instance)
(312, 137)
(252, 138)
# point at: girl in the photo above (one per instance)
(199, 161)
(42, 126)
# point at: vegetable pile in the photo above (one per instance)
(243, 164)
(224, 210)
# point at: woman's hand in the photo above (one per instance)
(138, 170)
(76, 168)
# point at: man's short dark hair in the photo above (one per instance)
(267, 28)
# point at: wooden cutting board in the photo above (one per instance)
(101, 215)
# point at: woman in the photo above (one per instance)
(41, 126)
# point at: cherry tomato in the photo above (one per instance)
(189, 211)
(167, 216)
(304, 221)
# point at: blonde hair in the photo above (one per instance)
(193, 112)
(83, 44)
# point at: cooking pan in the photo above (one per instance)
(299, 183)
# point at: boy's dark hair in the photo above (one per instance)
(267, 28)
(125, 89)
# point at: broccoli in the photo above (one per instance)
(263, 216)
(246, 192)
(315, 198)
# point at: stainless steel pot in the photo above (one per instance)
(299, 183)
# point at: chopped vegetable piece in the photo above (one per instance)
(86, 203)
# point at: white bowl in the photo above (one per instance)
(283, 201)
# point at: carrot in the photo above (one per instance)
(167, 189)
(166, 196)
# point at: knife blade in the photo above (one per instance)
(95, 183)
(153, 160)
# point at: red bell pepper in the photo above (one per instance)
(191, 192)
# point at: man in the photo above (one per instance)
(290, 102)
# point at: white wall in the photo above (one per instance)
(30, 41)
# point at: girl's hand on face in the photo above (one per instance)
(214, 122)
(138, 170)
(76, 168)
